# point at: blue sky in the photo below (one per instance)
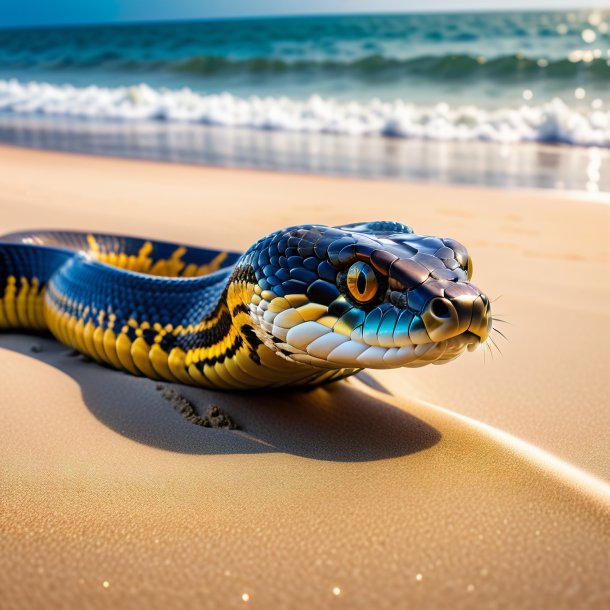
(52, 12)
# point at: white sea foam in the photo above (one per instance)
(553, 121)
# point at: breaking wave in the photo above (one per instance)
(551, 122)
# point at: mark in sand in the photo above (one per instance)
(214, 418)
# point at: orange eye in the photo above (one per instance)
(469, 269)
(362, 282)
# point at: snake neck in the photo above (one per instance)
(227, 349)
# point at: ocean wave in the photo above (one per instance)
(552, 122)
(375, 67)
(378, 67)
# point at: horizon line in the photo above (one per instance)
(450, 11)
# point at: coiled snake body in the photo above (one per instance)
(305, 305)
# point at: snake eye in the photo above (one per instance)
(362, 282)
(469, 268)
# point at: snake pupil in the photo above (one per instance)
(361, 283)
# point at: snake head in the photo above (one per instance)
(366, 295)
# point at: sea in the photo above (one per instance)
(505, 99)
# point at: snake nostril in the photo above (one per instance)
(440, 309)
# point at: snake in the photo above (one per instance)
(304, 305)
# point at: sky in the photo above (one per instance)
(23, 13)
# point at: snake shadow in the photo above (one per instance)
(336, 422)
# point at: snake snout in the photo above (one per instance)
(447, 317)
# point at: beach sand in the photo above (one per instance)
(479, 484)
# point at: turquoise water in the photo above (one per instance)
(488, 77)
(482, 59)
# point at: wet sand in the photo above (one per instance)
(477, 484)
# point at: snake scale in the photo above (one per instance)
(304, 305)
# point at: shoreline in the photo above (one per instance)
(523, 165)
(544, 193)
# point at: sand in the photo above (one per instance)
(479, 484)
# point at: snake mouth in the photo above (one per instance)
(335, 351)
(451, 348)
(447, 350)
